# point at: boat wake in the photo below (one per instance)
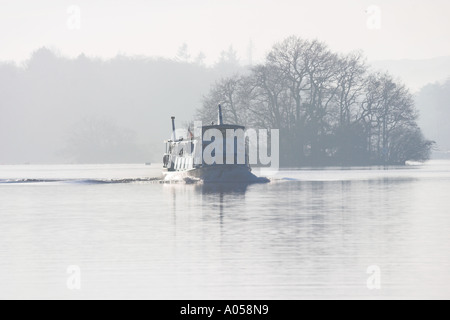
(178, 180)
(249, 178)
(175, 178)
(79, 181)
(24, 181)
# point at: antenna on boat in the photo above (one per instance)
(173, 129)
(220, 120)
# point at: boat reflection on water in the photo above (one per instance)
(206, 202)
(222, 188)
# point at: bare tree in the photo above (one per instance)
(227, 93)
(288, 56)
(351, 83)
(326, 105)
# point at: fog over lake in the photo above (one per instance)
(99, 199)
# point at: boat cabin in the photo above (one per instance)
(188, 153)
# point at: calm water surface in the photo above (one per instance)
(307, 234)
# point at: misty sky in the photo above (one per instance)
(412, 29)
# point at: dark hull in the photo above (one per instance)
(216, 173)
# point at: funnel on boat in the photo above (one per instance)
(174, 138)
(220, 118)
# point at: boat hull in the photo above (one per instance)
(215, 173)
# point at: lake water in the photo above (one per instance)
(307, 234)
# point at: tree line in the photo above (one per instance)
(56, 109)
(330, 108)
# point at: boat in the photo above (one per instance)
(183, 159)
